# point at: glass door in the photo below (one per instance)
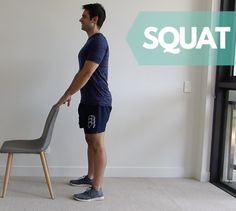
(229, 164)
(223, 149)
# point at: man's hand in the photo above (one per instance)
(66, 98)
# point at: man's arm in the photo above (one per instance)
(80, 79)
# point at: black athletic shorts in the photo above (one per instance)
(93, 118)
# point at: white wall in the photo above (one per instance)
(154, 126)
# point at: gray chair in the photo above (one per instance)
(35, 146)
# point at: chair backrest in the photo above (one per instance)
(46, 137)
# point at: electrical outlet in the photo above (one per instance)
(187, 87)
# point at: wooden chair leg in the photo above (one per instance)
(7, 173)
(46, 173)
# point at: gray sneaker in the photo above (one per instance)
(82, 181)
(90, 195)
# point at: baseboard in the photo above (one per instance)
(205, 176)
(74, 171)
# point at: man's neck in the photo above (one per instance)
(91, 33)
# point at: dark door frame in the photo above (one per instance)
(225, 81)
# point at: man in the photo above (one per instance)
(95, 105)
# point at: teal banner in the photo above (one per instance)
(183, 38)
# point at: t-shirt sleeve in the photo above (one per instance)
(97, 50)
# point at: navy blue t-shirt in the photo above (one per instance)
(95, 91)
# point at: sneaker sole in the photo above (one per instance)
(89, 200)
(81, 185)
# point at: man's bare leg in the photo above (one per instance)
(90, 154)
(97, 154)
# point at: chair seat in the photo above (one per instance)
(21, 146)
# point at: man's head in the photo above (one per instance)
(96, 13)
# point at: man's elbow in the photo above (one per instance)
(89, 72)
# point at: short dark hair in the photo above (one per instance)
(96, 10)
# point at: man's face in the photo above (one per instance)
(86, 23)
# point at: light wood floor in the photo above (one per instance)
(121, 194)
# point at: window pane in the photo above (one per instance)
(229, 168)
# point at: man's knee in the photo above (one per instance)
(95, 141)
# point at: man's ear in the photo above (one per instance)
(95, 19)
